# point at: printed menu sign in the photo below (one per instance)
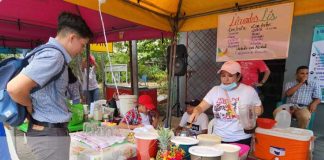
(316, 62)
(256, 34)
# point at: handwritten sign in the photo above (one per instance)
(256, 34)
(316, 62)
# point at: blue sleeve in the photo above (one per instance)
(44, 66)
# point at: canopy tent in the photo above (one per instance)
(187, 15)
(28, 23)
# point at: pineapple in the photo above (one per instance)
(164, 137)
(164, 141)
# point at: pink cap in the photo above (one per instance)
(231, 67)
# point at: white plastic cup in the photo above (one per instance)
(208, 139)
(231, 152)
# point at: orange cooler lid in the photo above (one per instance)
(288, 133)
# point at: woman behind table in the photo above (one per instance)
(143, 114)
(227, 124)
(93, 93)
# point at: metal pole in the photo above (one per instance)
(177, 101)
(88, 72)
(171, 81)
(174, 24)
(103, 75)
(134, 67)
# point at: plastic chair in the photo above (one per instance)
(311, 122)
(210, 126)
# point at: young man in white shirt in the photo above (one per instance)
(198, 127)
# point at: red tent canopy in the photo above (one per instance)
(27, 23)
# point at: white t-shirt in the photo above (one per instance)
(145, 119)
(198, 126)
(227, 124)
(93, 84)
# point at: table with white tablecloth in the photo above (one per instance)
(122, 151)
(81, 150)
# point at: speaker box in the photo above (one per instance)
(180, 67)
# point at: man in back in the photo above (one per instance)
(47, 134)
(303, 95)
(198, 127)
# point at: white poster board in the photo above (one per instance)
(255, 34)
(316, 62)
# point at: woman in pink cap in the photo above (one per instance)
(143, 114)
(226, 99)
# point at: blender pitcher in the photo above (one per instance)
(247, 117)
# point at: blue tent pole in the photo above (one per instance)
(4, 150)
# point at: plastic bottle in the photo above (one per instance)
(283, 119)
(97, 113)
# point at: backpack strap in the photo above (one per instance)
(38, 49)
(56, 76)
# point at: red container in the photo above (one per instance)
(146, 145)
(266, 123)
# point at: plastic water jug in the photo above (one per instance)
(283, 119)
(247, 116)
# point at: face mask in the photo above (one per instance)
(228, 87)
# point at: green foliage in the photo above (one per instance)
(119, 58)
(5, 56)
(153, 52)
(151, 60)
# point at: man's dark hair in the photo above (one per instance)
(300, 68)
(72, 22)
